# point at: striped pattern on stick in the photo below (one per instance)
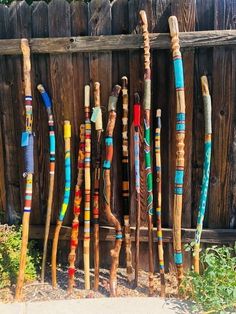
(180, 136)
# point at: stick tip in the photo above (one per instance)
(143, 17)
(136, 98)
(96, 85)
(40, 88)
(25, 46)
(205, 87)
(173, 25)
(124, 80)
(158, 113)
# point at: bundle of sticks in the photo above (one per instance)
(89, 188)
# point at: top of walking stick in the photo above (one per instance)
(173, 25)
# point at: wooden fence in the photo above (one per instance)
(65, 74)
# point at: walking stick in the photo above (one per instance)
(97, 118)
(206, 170)
(87, 188)
(180, 135)
(125, 177)
(27, 142)
(147, 143)
(107, 189)
(76, 210)
(137, 181)
(52, 145)
(67, 136)
(158, 210)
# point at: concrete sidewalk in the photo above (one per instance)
(99, 306)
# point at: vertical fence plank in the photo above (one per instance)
(223, 116)
(203, 65)
(19, 26)
(136, 85)
(4, 134)
(79, 27)
(100, 69)
(40, 73)
(61, 71)
(160, 78)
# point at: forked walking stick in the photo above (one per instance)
(52, 149)
(137, 181)
(27, 142)
(180, 136)
(206, 170)
(67, 137)
(77, 210)
(159, 204)
(125, 177)
(147, 145)
(97, 119)
(107, 189)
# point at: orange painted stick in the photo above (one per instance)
(77, 210)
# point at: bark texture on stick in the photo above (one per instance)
(115, 253)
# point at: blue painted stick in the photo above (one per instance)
(180, 136)
(206, 170)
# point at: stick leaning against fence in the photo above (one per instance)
(87, 187)
(107, 188)
(206, 170)
(67, 137)
(52, 149)
(97, 119)
(147, 144)
(180, 136)
(159, 204)
(27, 142)
(137, 108)
(76, 210)
(125, 177)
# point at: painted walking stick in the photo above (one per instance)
(97, 119)
(52, 148)
(180, 135)
(159, 204)
(137, 110)
(206, 170)
(125, 177)
(27, 142)
(67, 137)
(87, 187)
(107, 188)
(76, 210)
(147, 143)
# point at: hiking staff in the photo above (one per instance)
(52, 149)
(67, 137)
(107, 188)
(97, 119)
(137, 111)
(27, 142)
(206, 170)
(180, 135)
(159, 204)
(87, 187)
(76, 210)
(147, 144)
(125, 177)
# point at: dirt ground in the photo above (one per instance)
(36, 291)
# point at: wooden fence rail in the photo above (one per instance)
(103, 40)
